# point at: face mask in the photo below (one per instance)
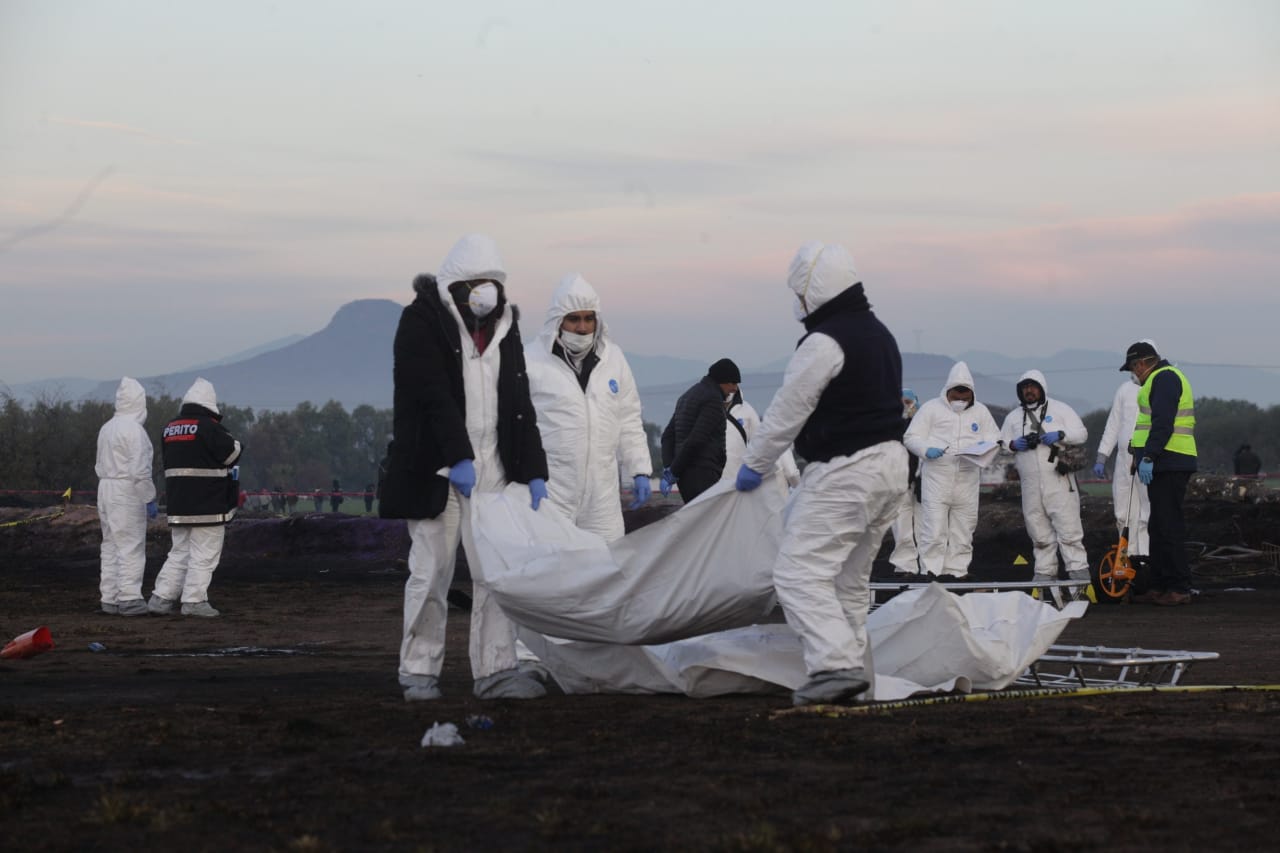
(483, 299)
(909, 410)
(1133, 377)
(959, 405)
(797, 308)
(728, 399)
(576, 344)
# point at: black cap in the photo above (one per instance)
(724, 371)
(1136, 352)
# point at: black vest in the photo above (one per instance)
(198, 453)
(862, 405)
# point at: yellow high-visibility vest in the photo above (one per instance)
(1183, 439)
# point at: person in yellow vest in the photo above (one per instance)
(1164, 452)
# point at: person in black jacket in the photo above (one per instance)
(463, 420)
(693, 449)
(202, 494)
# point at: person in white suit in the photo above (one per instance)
(740, 426)
(588, 412)
(1129, 498)
(949, 484)
(126, 499)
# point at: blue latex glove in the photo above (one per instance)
(463, 477)
(643, 490)
(1051, 436)
(537, 491)
(1019, 443)
(933, 453)
(152, 509)
(1100, 470)
(668, 480)
(1146, 471)
(748, 480)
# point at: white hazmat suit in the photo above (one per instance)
(1129, 496)
(735, 445)
(125, 488)
(1050, 501)
(949, 484)
(837, 517)
(586, 433)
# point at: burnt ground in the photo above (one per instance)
(172, 739)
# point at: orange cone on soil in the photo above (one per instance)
(28, 645)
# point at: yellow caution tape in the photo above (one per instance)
(29, 520)
(1001, 695)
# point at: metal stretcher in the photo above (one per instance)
(1100, 666)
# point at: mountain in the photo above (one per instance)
(269, 346)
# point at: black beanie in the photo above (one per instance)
(724, 371)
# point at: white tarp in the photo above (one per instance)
(672, 607)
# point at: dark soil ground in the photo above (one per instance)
(170, 738)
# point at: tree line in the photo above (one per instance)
(52, 444)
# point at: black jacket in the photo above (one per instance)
(862, 405)
(198, 453)
(694, 437)
(430, 409)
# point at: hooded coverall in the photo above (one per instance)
(1050, 501)
(949, 484)
(1128, 496)
(857, 470)
(125, 488)
(587, 431)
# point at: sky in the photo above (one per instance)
(180, 181)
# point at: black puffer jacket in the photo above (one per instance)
(430, 409)
(694, 438)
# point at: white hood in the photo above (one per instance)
(202, 394)
(821, 272)
(574, 293)
(474, 256)
(131, 400)
(959, 375)
(1034, 376)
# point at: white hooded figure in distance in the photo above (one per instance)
(588, 412)
(840, 404)
(949, 484)
(1128, 496)
(740, 426)
(1050, 499)
(905, 557)
(126, 498)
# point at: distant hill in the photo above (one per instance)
(269, 346)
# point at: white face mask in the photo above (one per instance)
(576, 344)
(728, 399)
(483, 299)
(958, 405)
(798, 309)
(1133, 377)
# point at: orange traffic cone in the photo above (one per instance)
(28, 645)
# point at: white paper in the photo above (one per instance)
(979, 454)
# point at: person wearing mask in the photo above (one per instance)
(1164, 450)
(693, 452)
(201, 496)
(905, 557)
(840, 403)
(126, 499)
(588, 412)
(1050, 496)
(949, 484)
(464, 421)
(740, 426)
(1129, 499)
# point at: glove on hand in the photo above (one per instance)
(1051, 436)
(644, 489)
(1146, 471)
(668, 480)
(1019, 443)
(1099, 470)
(537, 491)
(748, 480)
(463, 477)
(933, 453)
(152, 509)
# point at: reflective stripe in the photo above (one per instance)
(217, 518)
(196, 472)
(1182, 437)
(1181, 413)
(1183, 431)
